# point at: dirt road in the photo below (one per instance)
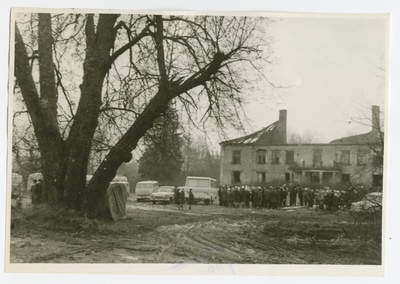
(206, 234)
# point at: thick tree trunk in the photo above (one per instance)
(96, 66)
(51, 144)
(53, 170)
(64, 163)
(43, 109)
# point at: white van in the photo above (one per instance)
(144, 189)
(204, 189)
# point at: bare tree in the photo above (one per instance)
(372, 144)
(114, 75)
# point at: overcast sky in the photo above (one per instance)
(332, 67)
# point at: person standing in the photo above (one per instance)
(178, 198)
(247, 200)
(253, 197)
(236, 197)
(279, 197)
(311, 197)
(225, 196)
(267, 198)
(293, 196)
(39, 189)
(305, 196)
(321, 199)
(283, 196)
(229, 197)
(300, 193)
(348, 199)
(176, 194)
(182, 198)
(34, 192)
(259, 197)
(219, 195)
(191, 199)
(242, 198)
(273, 198)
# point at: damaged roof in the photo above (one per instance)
(370, 137)
(253, 137)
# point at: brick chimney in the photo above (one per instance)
(282, 126)
(376, 124)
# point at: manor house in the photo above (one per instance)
(264, 157)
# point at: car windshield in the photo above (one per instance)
(166, 189)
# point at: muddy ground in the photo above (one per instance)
(206, 234)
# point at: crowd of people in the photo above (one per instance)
(180, 198)
(276, 197)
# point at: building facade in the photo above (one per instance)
(264, 157)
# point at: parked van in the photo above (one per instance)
(204, 189)
(144, 189)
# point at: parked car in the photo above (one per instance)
(368, 210)
(165, 194)
(204, 189)
(370, 203)
(144, 189)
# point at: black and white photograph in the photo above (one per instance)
(197, 138)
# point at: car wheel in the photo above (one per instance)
(207, 202)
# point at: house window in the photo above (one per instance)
(361, 155)
(236, 157)
(345, 177)
(261, 156)
(275, 156)
(261, 177)
(236, 176)
(345, 157)
(317, 158)
(289, 157)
